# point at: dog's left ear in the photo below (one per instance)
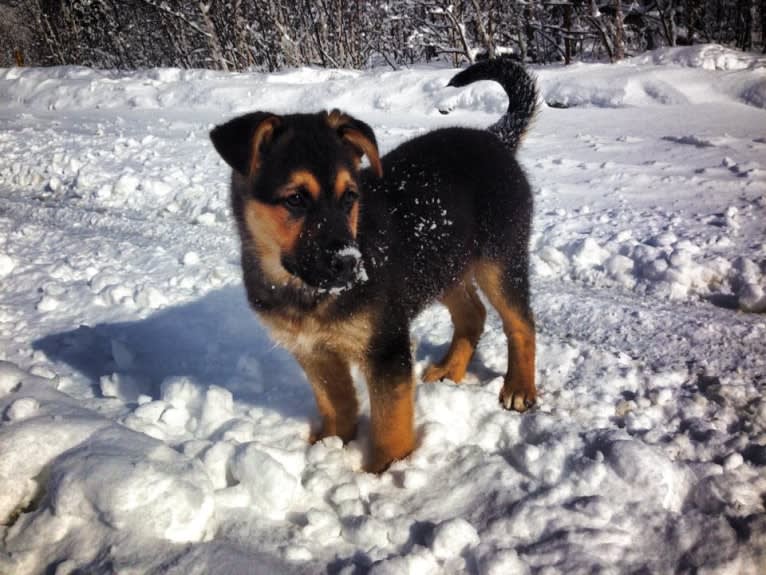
(359, 136)
(243, 141)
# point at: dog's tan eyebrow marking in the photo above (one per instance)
(302, 179)
(343, 181)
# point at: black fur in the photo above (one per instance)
(522, 93)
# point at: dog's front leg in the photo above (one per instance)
(390, 383)
(330, 378)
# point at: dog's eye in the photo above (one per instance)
(348, 199)
(295, 201)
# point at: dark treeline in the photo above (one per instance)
(273, 34)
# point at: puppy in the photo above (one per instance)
(338, 259)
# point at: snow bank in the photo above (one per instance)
(633, 84)
(707, 56)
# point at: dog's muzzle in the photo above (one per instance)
(344, 264)
(331, 270)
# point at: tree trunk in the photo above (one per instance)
(763, 25)
(619, 32)
(568, 38)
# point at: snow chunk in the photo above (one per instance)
(586, 253)
(150, 297)
(190, 259)
(414, 479)
(452, 537)
(621, 269)
(48, 303)
(126, 185)
(123, 386)
(217, 408)
(181, 391)
(205, 219)
(216, 460)
(321, 526)
(271, 487)
(752, 298)
(22, 408)
(10, 377)
(156, 187)
(366, 532)
(649, 472)
(6, 265)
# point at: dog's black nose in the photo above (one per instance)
(343, 266)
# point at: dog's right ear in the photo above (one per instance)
(241, 142)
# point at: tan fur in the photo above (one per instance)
(519, 388)
(468, 315)
(322, 348)
(367, 147)
(343, 181)
(392, 411)
(353, 220)
(337, 120)
(330, 378)
(301, 179)
(262, 135)
(302, 333)
(271, 233)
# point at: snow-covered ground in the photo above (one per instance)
(149, 425)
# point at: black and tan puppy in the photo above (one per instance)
(338, 260)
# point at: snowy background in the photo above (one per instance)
(148, 424)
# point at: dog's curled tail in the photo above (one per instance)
(520, 87)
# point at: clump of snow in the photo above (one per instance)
(11, 377)
(191, 259)
(21, 409)
(451, 538)
(271, 487)
(6, 265)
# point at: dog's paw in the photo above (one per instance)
(345, 435)
(517, 397)
(440, 372)
(377, 467)
(380, 464)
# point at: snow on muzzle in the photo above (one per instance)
(346, 269)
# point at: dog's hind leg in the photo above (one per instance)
(334, 391)
(468, 315)
(507, 287)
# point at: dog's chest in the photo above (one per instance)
(309, 333)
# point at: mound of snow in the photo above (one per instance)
(706, 56)
(133, 483)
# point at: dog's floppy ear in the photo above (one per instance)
(242, 141)
(359, 136)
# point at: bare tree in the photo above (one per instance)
(273, 34)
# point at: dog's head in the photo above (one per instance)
(296, 183)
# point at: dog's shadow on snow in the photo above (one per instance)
(215, 340)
